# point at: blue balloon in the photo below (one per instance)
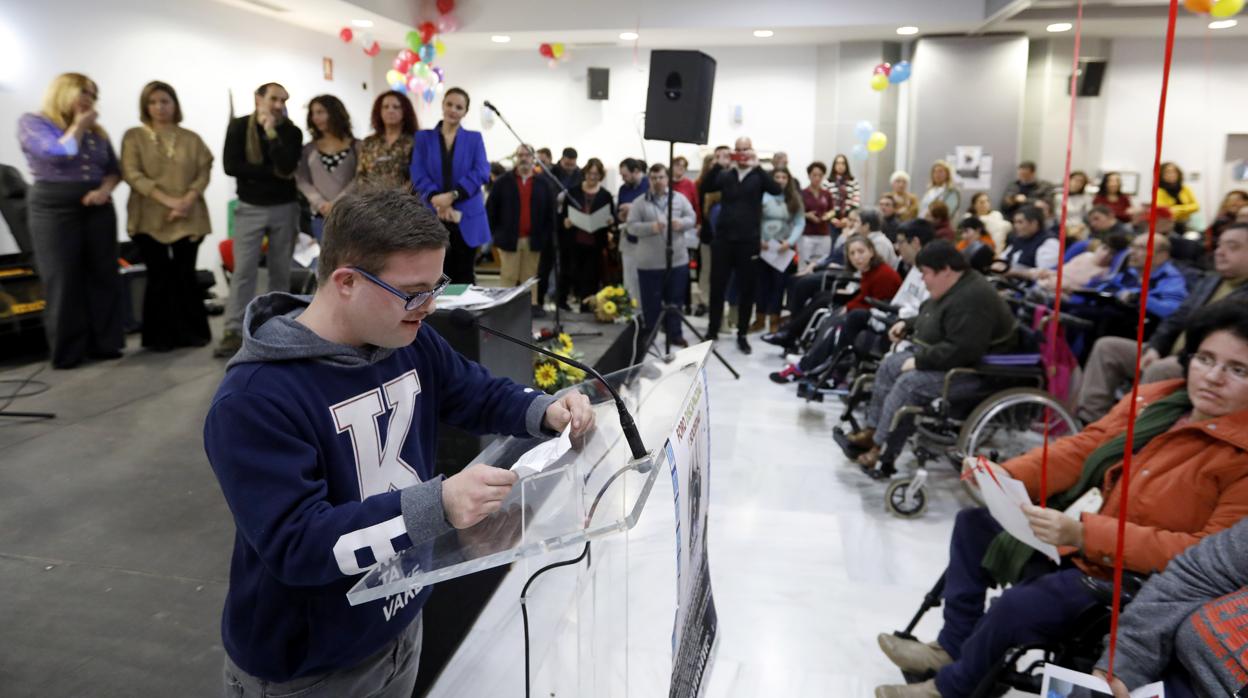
(429, 95)
(399, 87)
(858, 153)
(863, 131)
(427, 53)
(901, 73)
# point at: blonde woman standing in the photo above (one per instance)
(73, 225)
(167, 168)
(942, 188)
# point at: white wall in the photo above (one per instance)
(775, 88)
(203, 48)
(1207, 102)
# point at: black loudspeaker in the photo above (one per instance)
(678, 101)
(1091, 74)
(599, 83)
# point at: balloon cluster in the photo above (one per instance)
(413, 71)
(553, 53)
(367, 42)
(1216, 8)
(886, 74)
(869, 141)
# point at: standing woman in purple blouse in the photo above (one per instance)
(73, 225)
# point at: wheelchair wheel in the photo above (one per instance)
(898, 504)
(1010, 423)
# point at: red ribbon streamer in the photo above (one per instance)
(1125, 478)
(1055, 321)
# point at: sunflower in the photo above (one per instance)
(609, 307)
(545, 375)
(566, 340)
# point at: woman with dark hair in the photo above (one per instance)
(73, 225)
(1236, 200)
(783, 220)
(449, 170)
(584, 254)
(816, 240)
(1110, 195)
(938, 215)
(1173, 194)
(167, 168)
(385, 156)
(1188, 481)
(1078, 206)
(996, 225)
(846, 195)
(328, 162)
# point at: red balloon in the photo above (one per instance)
(883, 69)
(346, 35)
(546, 51)
(373, 50)
(401, 65)
(445, 6)
(409, 56)
(427, 30)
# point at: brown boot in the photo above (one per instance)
(870, 458)
(759, 324)
(862, 439)
(913, 656)
(773, 323)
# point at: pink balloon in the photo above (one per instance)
(883, 69)
(346, 35)
(447, 24)
(373, 50)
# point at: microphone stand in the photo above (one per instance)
(560, 292)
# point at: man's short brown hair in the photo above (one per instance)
(365, 228)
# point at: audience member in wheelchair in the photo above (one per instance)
(1112, 361)
(1032, 248)
(1235, 202)
(812, 288)
(877, 280)
(1184, 626)
(889, 220)
(976, 244)
(964, 319)
(1099, 258)
(1188, 481)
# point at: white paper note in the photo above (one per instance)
(1005, 498)
(590, 222)
(1063, 682)
(538, 458)
(775, 257)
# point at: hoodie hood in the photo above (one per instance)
(271, 333)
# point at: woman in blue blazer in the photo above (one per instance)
(449, 167)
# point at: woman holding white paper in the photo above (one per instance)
(783, 222)
(585, 254)
(1188, 481)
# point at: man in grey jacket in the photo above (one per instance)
(645, 236)
(1193, 612)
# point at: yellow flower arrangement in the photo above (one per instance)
(613, 304)
(609, 307)
(566, 340)
(546, 376)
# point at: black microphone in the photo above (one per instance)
(491, 107)
(463, 318)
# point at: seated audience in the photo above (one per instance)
(1112, 362)
(1031, 248)
(1167, 288)
(1097, 259)
(1181, 626)
(1189, 455)
(996, 224)
(1173, 194)
(963, 319)
(976, 244)
(1026, 190)
(1080, 203)
(889, 220)
(1235, 201)
(1110, 195)
(938, 215)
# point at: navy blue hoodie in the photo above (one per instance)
(325, 455)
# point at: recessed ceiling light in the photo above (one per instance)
(500, 39)
(764, 33)
(362, 23)
(1223, 24)
(1059, 27)
(628, 36)
(907, 31)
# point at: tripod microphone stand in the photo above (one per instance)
(554, 234)
(668, 305)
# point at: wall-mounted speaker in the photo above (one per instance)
(599, 83)
(1091, 74)
(678, 100)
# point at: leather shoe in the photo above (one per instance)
(862, 439)
(744, 345)
(912, 656)
(927, 689)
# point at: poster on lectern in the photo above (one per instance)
(693, 632)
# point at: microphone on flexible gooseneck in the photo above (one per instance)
(463, 318)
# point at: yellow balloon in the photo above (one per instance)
(394, 76)
(439, 48)
(1226, 8)
(879, 82)
(877, 142)
(557, 50)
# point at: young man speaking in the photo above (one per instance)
(323, 435)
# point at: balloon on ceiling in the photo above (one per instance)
(412, 71)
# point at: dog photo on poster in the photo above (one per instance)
(694, 630)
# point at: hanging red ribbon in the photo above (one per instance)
(1055, 321)
(1125, 478)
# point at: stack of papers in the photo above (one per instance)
(1005, 498)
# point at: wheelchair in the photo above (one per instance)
(999, 409)
(1078, 651)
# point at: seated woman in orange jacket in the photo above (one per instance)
(1189, 479)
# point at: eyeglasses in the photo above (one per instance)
(1207, 363)
(411, 301)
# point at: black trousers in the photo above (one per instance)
(546, 268)
(173, 306)
(76, 256)
(461, 260)
(732, 258)
(585, 266)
